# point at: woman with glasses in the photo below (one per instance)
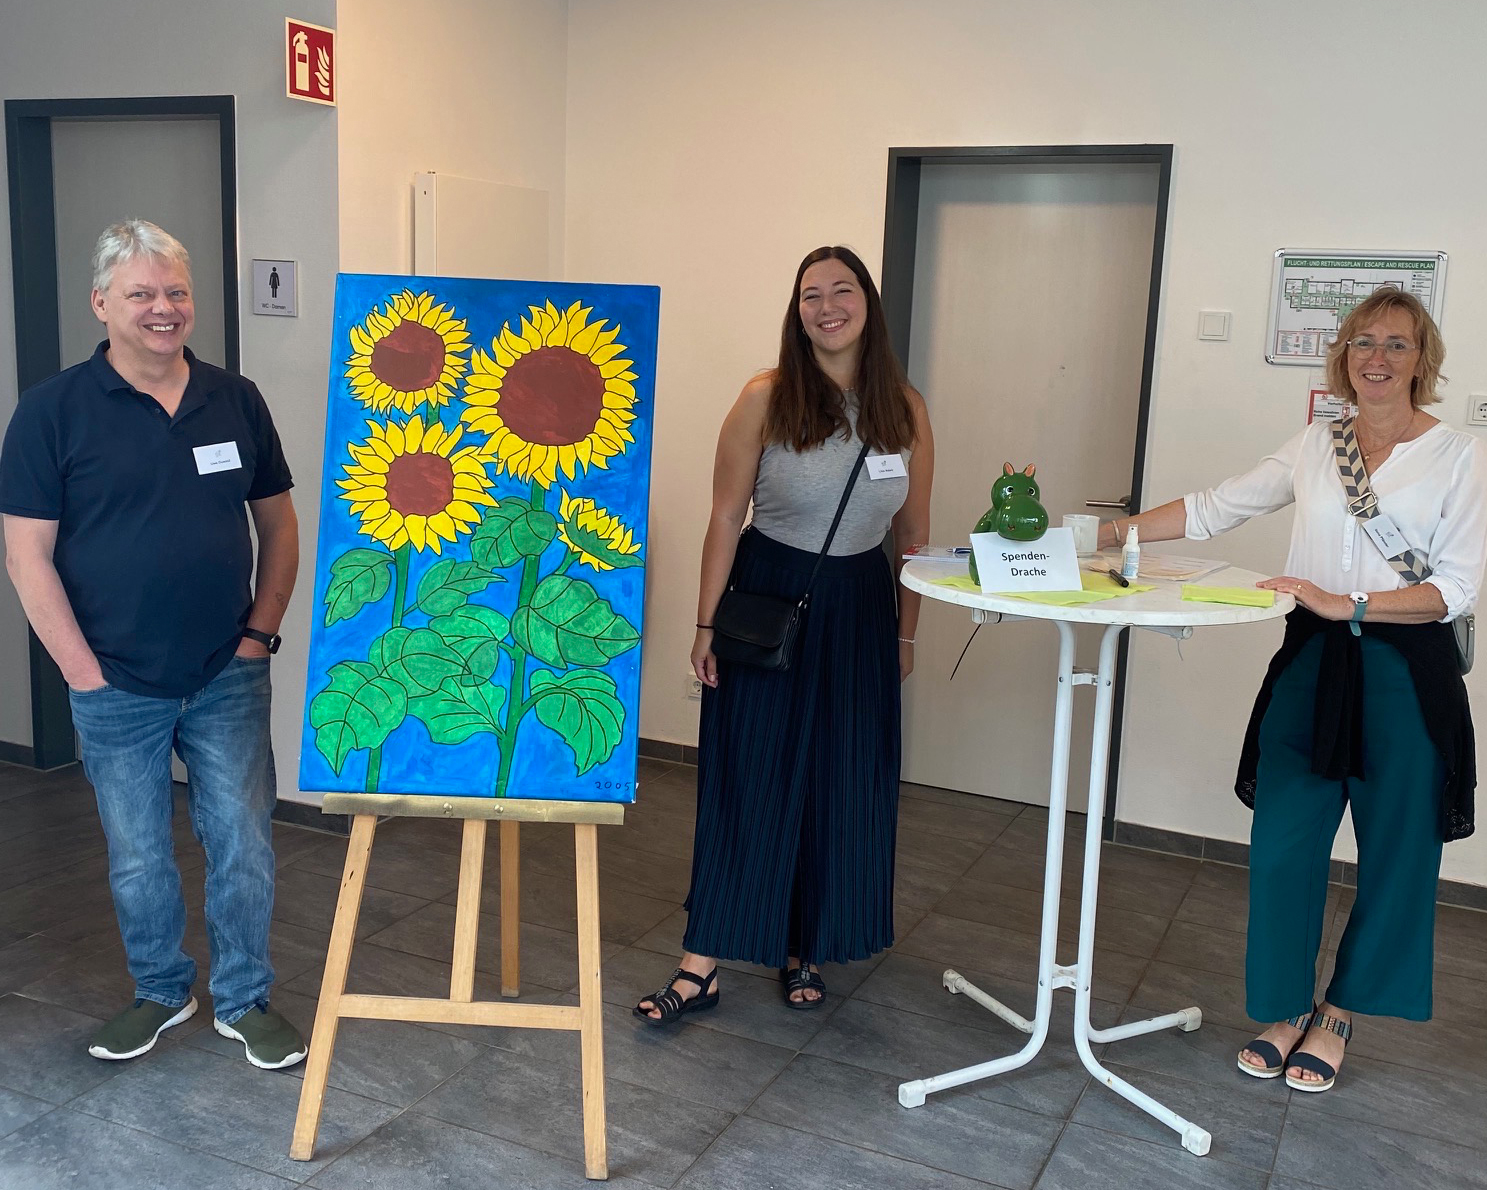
(1363, 705)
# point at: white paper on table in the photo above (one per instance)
(1048, 564)
(1173, 567)
(956, 555)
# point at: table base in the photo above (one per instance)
(1078, 976)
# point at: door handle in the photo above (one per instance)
(1124, 502)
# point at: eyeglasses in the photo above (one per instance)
(1392, 348)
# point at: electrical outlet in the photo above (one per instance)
(1476, 410)
(692, 687)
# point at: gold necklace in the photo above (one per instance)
(1368, 454)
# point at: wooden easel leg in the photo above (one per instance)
(590, 1001)
(332, 987)
(467, 911)
(510, 908)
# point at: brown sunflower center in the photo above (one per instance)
(409, 358)
(420, 484)
(552, 397)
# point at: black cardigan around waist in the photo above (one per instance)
(1337, 734)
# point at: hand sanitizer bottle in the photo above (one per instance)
(1130, 556)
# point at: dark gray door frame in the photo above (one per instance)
(33, 254)
(900, 242)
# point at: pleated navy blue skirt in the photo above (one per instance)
(797, 774)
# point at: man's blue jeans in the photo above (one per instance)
(222, 735)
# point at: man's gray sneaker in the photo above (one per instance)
(133, 1031)
(271, 1042)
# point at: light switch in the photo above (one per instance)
(1213, 324)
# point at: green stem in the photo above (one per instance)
(399, 594)
(400, 589)
(516, 707)
(568, 561)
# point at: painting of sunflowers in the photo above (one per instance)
(480, 573)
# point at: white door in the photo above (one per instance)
(166, 171)
(1029, 322)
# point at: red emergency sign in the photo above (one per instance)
(311, 62)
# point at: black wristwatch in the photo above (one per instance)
(271, 643)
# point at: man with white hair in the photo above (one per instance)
(126, 483)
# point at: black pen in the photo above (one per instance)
(1118, 577)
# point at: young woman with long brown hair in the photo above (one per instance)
(798, 769)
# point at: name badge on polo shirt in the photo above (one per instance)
(1385, 535)
(885, 466)
(223, 456)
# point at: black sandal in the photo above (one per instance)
(1314, 1064)
(802, 979)
(671, 1003)
(1275, 1061)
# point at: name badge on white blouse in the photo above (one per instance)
(885, 466)
(220, 456)
(1389, 539)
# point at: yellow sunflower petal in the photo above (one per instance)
(583, 341)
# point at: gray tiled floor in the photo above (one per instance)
(750, 1096)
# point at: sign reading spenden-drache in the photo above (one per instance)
(1048, 564)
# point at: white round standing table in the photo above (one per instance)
(1160, 610)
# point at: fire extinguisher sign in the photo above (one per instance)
(311, 62)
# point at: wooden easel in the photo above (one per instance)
(461, 1007)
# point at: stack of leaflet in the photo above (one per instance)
(947, 555)
(1173, 567)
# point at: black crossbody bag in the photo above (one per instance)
(1410, 566)
(760, 630)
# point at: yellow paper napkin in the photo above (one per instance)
(1095, 588)
(1241, 596)
(957, 582)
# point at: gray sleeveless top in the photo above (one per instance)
(796, 494)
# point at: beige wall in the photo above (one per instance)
(286, 210)
(468, 87)
(710, 146)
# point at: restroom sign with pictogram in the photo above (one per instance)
(311, 62)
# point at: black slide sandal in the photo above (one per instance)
(801, 979)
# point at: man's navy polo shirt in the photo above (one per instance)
(154, 555)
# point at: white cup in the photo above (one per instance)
(1086, 531)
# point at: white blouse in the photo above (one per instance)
(1434, 489)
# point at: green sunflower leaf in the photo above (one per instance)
(475, 633)
(599, 547)
(358, 577)
(359, 709)
(567, 625)
(455, 712)
(583, 708)
(448, 584)
(511, 531)
(416, 658)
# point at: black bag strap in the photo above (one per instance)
(1362, 503)
(841, 507)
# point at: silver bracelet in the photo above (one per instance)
(906, 640)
